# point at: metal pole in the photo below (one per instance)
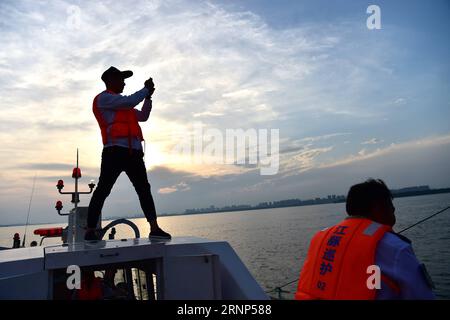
(76, 185)
(73, 212)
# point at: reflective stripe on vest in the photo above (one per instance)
(123, 125)
(337, 261)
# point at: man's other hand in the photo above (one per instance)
(150, 92)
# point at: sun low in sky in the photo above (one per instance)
(348, 102)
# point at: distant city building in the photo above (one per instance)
(416, 190)
(411, 189)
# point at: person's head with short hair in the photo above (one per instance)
(114, 79)
(371, 199)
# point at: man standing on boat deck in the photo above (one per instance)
(122, 136)
(342, 259)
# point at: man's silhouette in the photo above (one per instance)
(122, 137)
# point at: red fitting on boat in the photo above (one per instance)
(59, 205)
(60, 185)
(76, 173)
(49, 232)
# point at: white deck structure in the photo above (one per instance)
(182, 268)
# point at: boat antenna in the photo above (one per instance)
(29, 210)
(76, 186)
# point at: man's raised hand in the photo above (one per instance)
(150, 86)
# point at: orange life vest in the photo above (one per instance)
(336, 265)
(124, 124)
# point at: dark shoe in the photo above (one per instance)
(159, 234)
(91, 235)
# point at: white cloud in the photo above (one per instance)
(167, 190)
(302, 160)
(325, 136)
(400, 101)
(207, 114)
(372, 141)
(182, 186)
(392, 148)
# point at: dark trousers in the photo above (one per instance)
(115, 160)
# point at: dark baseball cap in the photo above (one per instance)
(114, 72)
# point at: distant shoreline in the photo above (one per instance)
(395, 194)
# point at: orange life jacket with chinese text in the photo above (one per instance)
(337, 261)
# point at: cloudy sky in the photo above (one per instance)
(349, 102)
